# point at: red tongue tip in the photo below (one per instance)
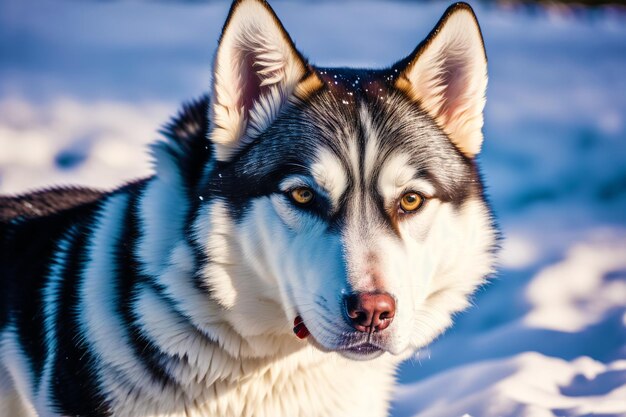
(299, 328)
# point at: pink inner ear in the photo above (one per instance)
(251, 82)
(454, 80)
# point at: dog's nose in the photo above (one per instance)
(370, 311)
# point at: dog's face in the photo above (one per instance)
(346, 203)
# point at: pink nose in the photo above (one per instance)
(370, 312)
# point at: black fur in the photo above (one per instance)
(186, 142)
(74, 390)
(31, 227)
(44, 203)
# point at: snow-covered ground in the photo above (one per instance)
(85, 85)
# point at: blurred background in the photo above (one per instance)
(85, 85)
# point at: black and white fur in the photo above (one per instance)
(175, 295)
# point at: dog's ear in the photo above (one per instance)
(257, 70)
(447, 76)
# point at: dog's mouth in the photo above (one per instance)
(363, 351)
(356, 351)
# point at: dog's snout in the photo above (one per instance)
(370, 311)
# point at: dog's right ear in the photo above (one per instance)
(257, 70)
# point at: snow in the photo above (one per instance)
(528, 384)
(84, 86)
(66, 140)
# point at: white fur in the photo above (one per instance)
(397, 176)
(371, 141)
(330, 175)
(161, 221)
(469, 258)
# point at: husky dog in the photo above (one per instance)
(306, 229)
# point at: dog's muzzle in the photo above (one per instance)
(369, 314)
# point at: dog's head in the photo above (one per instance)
(344, 202)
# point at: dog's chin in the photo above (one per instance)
(362, 352)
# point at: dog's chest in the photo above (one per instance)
(328, 387)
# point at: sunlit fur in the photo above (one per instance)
(449, 78)
(252, 46)
(176, 295)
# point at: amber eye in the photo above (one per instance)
(411, 202)
(302, 195)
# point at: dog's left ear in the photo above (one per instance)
(447, 76)
(257, 70)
